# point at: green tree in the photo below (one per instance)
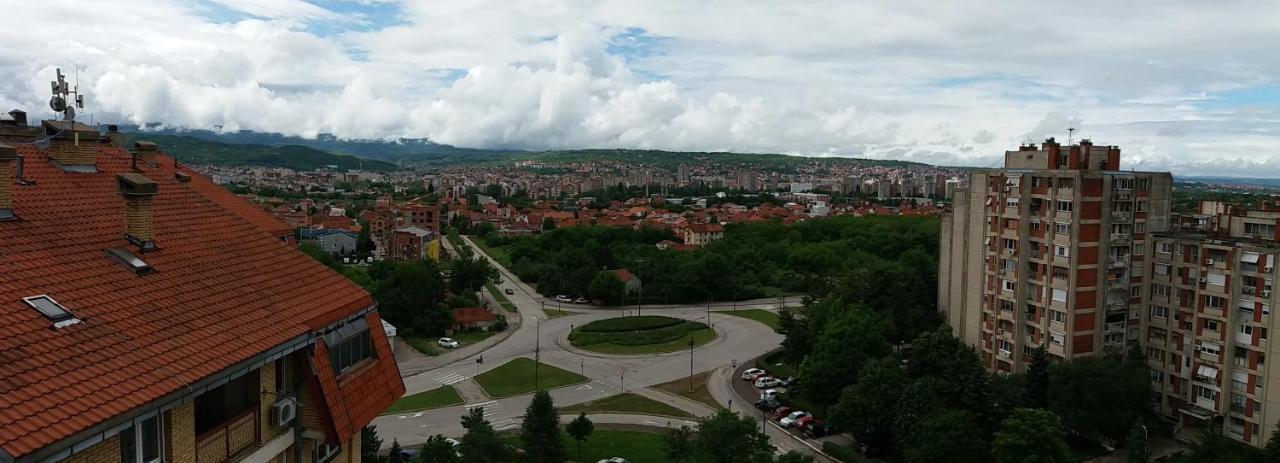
(728, 438)
(311, 248)
(1099, 395)
(580, 428)
(1272, 450)
(540, 431)
(411, 295)
(843, 346)
(481, 442)
(1031, 436)
(370, 443)
(364, 241)
(396, 454)
(869, 407)
(437, 449)
(1136, 446)
(793, 457)
(944, 437)
(470, 273)
(679, 444)
(797, 337)
(548, 224)
(1037, 378)
(606, 286)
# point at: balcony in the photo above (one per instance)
(1121, 216)
(1122, 196)
(1119, 239)
(1114, 327)
(1118, 261)
(231, 438)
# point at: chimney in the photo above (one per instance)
(8, 162)
(74, 146)
(139, 194)
(19, 116)
(114, 136)
(146, 152)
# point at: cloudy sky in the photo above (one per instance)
(1187, 86)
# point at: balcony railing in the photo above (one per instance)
(229, 439)
(1120, 216)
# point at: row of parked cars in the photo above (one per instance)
(569, 300)
(771, 390)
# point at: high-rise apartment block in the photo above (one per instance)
(1048, 251)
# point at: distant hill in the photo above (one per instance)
(425, 153)
(193, 150)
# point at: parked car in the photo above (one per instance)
(767, 404)
(804, 422)
(767, 381)
(769, 394)
(791, 419)
(750, 373)
(790, 381)
(509, 291)
(581, 300)
(817, 429)
(781, 412)
(614, 460)
(408, 454)
(564, 299)
(448, 343)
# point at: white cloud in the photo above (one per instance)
(904, 79)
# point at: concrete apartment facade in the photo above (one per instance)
(1048, 251)
(1207, 320)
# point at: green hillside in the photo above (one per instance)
(192, 150)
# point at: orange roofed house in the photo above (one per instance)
(147, 315)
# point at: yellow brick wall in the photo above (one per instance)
(107, 451)
(267, 378)
(6, 184)
(182, 433)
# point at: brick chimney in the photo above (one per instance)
(146, 151)
(74, 146)
(139, 195)
(114, 137)
(8, 164)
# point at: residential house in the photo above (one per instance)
(699, 234)
(415, 243)
(630, 282)
(336, 242)
(473, 318)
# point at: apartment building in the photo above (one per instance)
(1208, 301)
(149, 316)
(1048, 251)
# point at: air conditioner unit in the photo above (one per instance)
(284, 411)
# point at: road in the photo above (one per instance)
(738, 339)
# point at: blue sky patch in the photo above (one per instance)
(1252, 97)
(635, 43)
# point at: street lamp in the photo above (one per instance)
(691, 362)
(537, 353)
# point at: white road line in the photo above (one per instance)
(415, 415)
(451, 378)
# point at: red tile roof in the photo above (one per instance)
(223, 289)
(706, 228)
(469, 315)
(353, 400)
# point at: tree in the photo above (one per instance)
(369, 445)
(869, 407)
(1031, 435)
(606, 286)
(793, 457)
(364, 241)
(797, 336)
(396, 454)
(470, 273)
(1099, 395)
(540, 431)
(437, 449)
(1136, 447)
(1037, 378)
(728, 438)
(947, 436)
(411, 295)
(679, 444)
(843, 346)
(481, 442)
(311, 248)
(580, 428)
(548, 224)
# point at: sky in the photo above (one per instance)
(1186, 86)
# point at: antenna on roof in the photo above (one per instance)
(62, 92)
(1071, 131)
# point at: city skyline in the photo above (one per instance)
(897, 81)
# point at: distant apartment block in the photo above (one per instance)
(1049, 250)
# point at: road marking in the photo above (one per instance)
(584, 386)
(451, 378)
(482, 404)
(415, 415)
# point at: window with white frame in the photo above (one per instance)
(143, 442)
(1142, 206)
(1008, 285)
(1162, 269)
(1209, 325)
(1261, 229)
(1164, 247)
(1011, 202)
(1140, 227)
(1214, 302)
(1159, 312)
(1057, 339)
(1060, 295)
(1062, 251)
(1057, 316)
(1064, 206)
(1062, 228)
(1159, 291)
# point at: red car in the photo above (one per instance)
(804, 422)
(781, 412)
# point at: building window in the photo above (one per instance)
(1135, 291)
(1008, 285)
(1144, 184)
(1057, 316)
(1159, 291)
(1157, 375)
(1209, 325)
(325, 452)
(1139, 249)
(1261, 229)
(143, 443)
(1059, 273)
(1011, 202)
(1064, 206)
(284, 375)
(1142, 206)
(348, 346)
(224, 403)
(1059, 295)
(1214, 302)
(1140, 227)
(1159, 312)
(1162, 269)
(1164, 247)
(1062, 251)
(1056, 339)
(1010, 243)
(1062, 228)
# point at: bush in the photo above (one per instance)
(626, 324)
(636, 338)
(842, 453)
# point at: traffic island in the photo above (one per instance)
(649, 334)
(517, 377)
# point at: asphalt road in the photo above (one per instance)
(738, 339)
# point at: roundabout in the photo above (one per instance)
(639, 335)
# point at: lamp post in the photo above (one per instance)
(537, 353)
(691, 363)
(640, 299)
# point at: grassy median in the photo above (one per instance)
(647, 334)
(435, 398)
(627, 403)
(516, 377)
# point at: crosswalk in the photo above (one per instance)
(451, 378)
(491, 410)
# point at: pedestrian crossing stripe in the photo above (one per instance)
(451, 378)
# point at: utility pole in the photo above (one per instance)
(691, 363)
(537, 353)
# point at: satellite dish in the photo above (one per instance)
(57, 103)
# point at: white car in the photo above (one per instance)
(448, 343)
(790, 420)
(767, 381)
(564, 299)
(614, 460)
(769, 394)
(581, 300)
(751, 373)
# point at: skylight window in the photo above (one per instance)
(52, 310)
(129, 260)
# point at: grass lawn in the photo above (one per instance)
(499, 254)
(776, 366)
(467, 338)
(500, 297)
(427, 346)
(553, 313)
(640, 335)
(700, 393)
(770, 319)
(435, 398)
(627, 403)
(636, 447)
(516, 377)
